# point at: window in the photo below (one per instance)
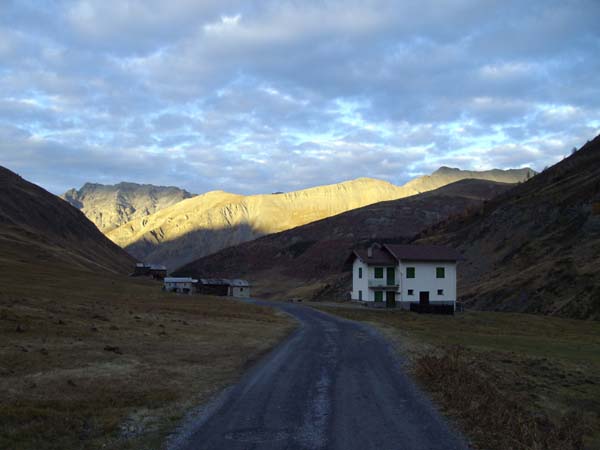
(378, 296)
(410, 272)
(378, 272)
(440, 292)
(411, 292)
(440, 272)
(241, 289)
(360, 295)
(360, 272)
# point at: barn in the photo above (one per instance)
(223, 287)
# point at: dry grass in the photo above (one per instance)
(510, 381)
(495, 419)
(89, 361)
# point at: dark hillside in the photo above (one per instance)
(38, 226)
(535, 248)
(308, 259)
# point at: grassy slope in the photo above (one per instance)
(65, 385)
(548, 366)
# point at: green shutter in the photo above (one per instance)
(360, 272)
(410, 272)
(378, 272)
(379, 296)
(440, 272)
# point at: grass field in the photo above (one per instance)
(96, 361)
(508, 380)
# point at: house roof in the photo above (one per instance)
(180, 280)
(390, 254)
(379, 256)
(223, 282)
(151, 266)
(423, 252)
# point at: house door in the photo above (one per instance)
(424, 298)
(390, 299)
(391, 276)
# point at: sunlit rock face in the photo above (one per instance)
(110, 206)
(207, 223)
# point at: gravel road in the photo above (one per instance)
(333, 384)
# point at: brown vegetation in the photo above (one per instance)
(95, 360)
(469, 390)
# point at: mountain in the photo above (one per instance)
(535, 248)
(304, 260)
(39, 228)
(208, 223)
(109, 206)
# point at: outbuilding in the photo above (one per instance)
(156, 271)
(223, 287)
(181, 285)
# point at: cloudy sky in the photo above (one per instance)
(262, 96)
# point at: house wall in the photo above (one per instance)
(179, 287)
(239, 291)
(425, 280)
(221, 290)
(360, 284)
(368, 275)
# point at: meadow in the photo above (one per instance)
(90, 360)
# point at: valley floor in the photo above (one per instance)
(509, 380)
(94, 361)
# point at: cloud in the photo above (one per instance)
(279, 95)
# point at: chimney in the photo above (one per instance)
(370, 252)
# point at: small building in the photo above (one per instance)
(141, 270)
(156, 271)
(411, 276)
(239, 288)
(180, 285)
(223, 287)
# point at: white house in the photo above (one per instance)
(181, 285)
(405, 274)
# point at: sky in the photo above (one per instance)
(262, 96)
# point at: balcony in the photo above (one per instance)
(382, 283)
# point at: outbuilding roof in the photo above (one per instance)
(223, 282)
(423, 252)
(180, 280)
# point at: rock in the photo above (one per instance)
(110, 206)
(114, 349)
